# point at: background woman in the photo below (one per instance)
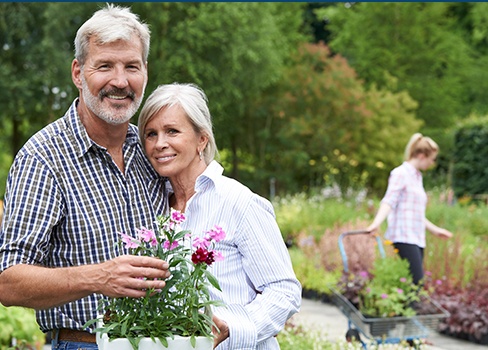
(405, 203)
(258, 284)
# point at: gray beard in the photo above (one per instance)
(116, 115)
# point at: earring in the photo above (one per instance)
(200, 155)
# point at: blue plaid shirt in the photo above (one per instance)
(65, 203)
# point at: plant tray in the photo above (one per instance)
(396, 328)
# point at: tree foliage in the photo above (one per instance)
(418, 43)
(329, 129)
(233, 51)
(282, 108)
(470, 168)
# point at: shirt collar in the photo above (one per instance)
(411, 169)
(213, 171)
(81, 137)
(210, 174)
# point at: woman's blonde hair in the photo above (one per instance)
(420, 144)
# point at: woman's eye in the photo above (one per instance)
(151, 134)
(172, 131)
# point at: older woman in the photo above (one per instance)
(258, 284)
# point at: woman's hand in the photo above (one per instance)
(220, 331)
(442, 233)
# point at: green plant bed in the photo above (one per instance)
(310, 274)
(19, 324)
(459, 262)
(300, 337)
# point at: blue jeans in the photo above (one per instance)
(72, 345)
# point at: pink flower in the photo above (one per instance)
(178, 217)
(129, 241)
(403, 280)
(199, 242)
(216, 233)
(384, 296)
(147, 235)
(428, 273)
(400, 291)
(438, 282)
(218, 256)
(171, 246)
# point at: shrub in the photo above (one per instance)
(19, 324)
(471, 158)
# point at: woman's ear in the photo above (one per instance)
(202, 144)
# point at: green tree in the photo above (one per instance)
(471, 158)
(330, 129)
(418, 43)
(234, 51)
(36, 42)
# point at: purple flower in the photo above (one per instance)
(438, 282)
(363, 274)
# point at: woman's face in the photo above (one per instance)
(426, 162)
(172, 145)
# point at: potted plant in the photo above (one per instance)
(388, 290)
(178, 316)
(384, 292)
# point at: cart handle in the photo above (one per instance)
(352, 233)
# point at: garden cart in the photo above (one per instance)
(384, 329)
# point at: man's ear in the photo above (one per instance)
(76, 73)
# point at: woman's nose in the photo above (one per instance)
(161, 142)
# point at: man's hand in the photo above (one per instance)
(220, 330)
(131, 276)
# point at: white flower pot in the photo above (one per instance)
(178, 343)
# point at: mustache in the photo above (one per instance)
(117, 92)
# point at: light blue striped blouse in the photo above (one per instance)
(257, 279)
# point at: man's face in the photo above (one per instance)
(113, 80)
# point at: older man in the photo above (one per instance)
(77, 184)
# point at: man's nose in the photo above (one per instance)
(120, 78)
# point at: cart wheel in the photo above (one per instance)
(352, 335)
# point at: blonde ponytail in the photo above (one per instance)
(420, 144)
